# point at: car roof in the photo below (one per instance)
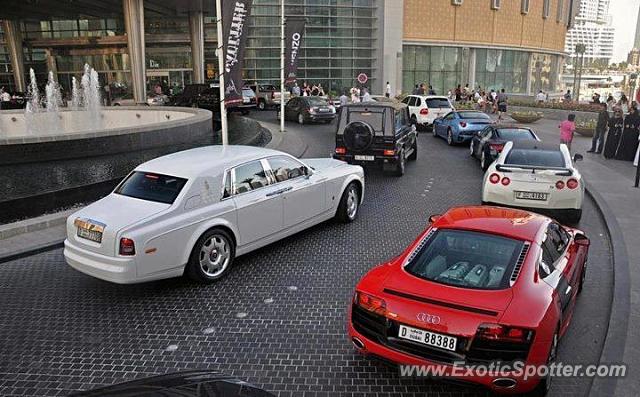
(509, 222)
(375, 104)
(430, 96)
(206, 160)
(535, 145)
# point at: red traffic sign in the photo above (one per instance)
(363, 78)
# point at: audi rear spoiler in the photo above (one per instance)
(561, 171)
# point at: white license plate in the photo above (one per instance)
(89, 229)
(532, 196)
(246, 100)
(364, 158)
(428, 338)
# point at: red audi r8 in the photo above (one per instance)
(480, 286)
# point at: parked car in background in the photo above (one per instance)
(424, 109)
(124, 100)
(193, 212)
(185, 384)
(249, 101)
(481, 285)
(154, 99)
(460, 126)
(376, 133)
(268, 95)
(487, 144)
(309, 109)
(532, 174)
(384, 98)
(190, 96)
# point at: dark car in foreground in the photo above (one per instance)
(487, 144)
(180, 384)
(480, 286)
(460, 126)
(309, 109)
(378, 133)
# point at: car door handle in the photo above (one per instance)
(277, 192)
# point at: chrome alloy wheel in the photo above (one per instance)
(215, 255)
(352, 203)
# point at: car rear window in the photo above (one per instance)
(536, 158)
(474, 115)
(514, 134)
(151, 187)
(373, 118)
(466, 259)
(438, 103)
(317, 101)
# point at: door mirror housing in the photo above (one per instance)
(434, 218)
(577, 157)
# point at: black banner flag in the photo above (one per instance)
(235, 27)
(294, 30)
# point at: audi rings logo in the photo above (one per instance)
(428, 318)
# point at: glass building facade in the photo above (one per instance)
(446, 67)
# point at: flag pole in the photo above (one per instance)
(282, 66)
(220, 54)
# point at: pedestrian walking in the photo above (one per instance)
(624, 104)
(502, 100)
(541, 97)
(629, 140)
(597, 143)
(416, 90)
(567, 96)
(388, 90)
(567, 129)
(458, 93)
(616, 126)
(344, 100)
(432, 91)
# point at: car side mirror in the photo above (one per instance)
(577, 157)
(434, 218)
(479, 133)
(582, 240)
(307, 171)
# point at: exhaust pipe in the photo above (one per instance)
(357, 343)
(504, 383)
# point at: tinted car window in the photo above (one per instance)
(285, 168)
(315, 101)
(450, 116)
(438, 103)
(514, 134)
(152, 187)
(412, 101)
(474, 115)
(466, 259)
(540, 158)
(373, 118)
(249, 177)
(418, 101)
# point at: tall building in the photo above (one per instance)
(592, 28)
(138, 44)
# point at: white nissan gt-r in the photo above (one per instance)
(535, 175)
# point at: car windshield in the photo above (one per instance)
(514, 134)
(536, 158)
(473, 115)
(316, 101)
(438, 103)
(151, 187)
(248, 92)
(466, 259)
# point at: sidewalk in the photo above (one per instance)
(24, 238)
(610, 184)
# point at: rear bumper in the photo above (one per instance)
(321, 116)
(392, 356)
(378, 160)
(557, 202)
(118, 270)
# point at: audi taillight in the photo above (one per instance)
(389, 152)
(341, 150)
(494, 178)
(505, 181)
(370, 303)
(463, 124)
(572, 183)
(424, 111)
(498, 332)
(127, 247)
(560, 185)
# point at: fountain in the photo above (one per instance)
(52, 157)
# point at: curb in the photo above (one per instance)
(616, 338)
(12, 256)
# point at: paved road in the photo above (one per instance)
(61, 330)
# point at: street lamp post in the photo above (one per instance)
(282, 66)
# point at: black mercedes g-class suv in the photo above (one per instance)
(376, 133)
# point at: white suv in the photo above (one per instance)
(423, 109)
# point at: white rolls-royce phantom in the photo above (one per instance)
(194, 211)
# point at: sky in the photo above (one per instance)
(624, 15)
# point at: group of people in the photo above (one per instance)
(5, 98)
(307, 90)
(617, 136)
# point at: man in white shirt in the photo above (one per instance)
(541, 97)
(388, 91)
(366, 97)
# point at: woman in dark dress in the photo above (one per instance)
(629, 141)
(616, 125)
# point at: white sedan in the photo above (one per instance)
(535, 175)
(195, 211)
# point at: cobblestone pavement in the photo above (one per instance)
(278, 319)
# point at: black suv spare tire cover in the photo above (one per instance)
(358, 136)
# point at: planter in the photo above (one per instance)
(586, 131)
(526, 118)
